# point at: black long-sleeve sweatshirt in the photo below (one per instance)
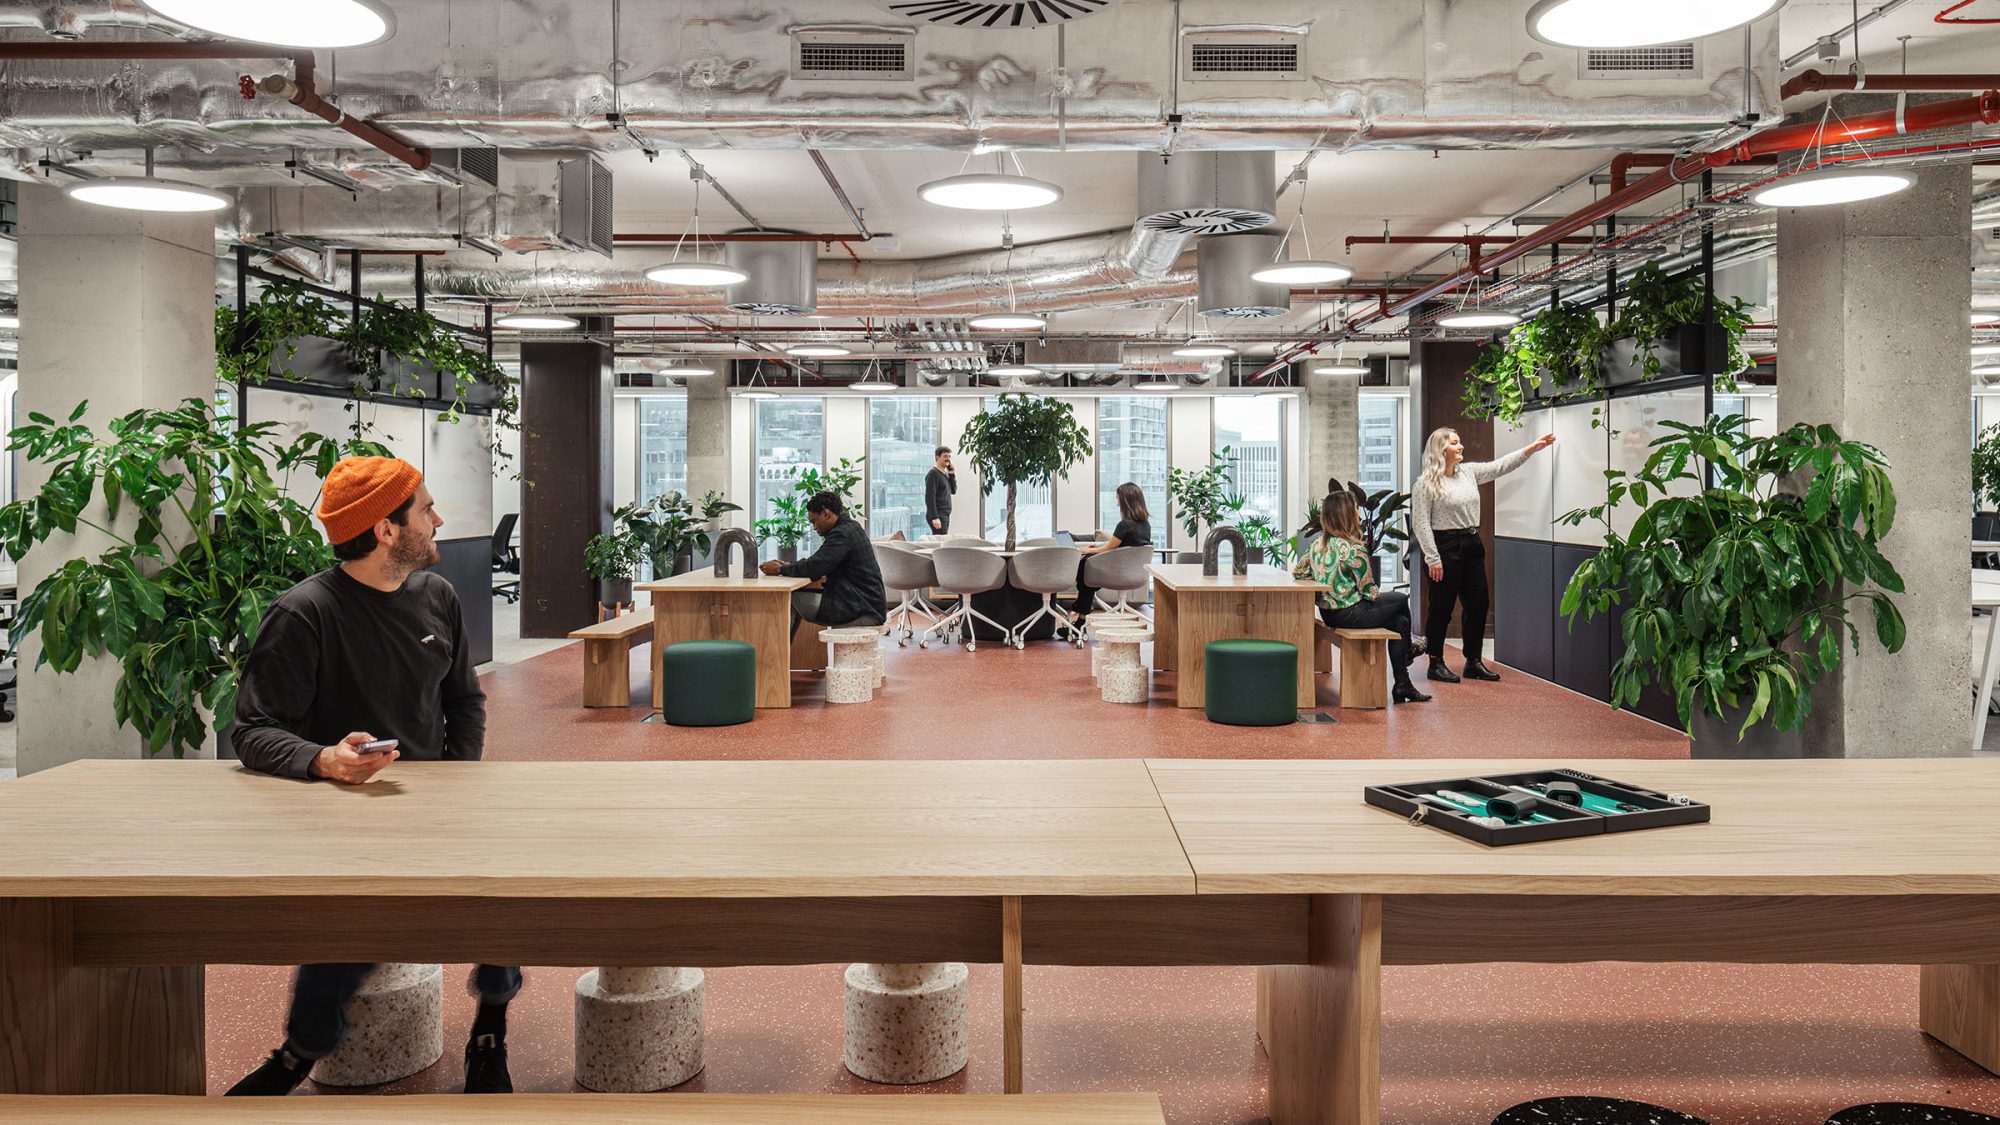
(335, 656)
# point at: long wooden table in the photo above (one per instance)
(1191, 609)
(698, 606)
(120, 880)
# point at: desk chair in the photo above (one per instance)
(908, 572)
(506, 560)
(1047, 571)
(966, 571)
(970, 541)
(1122, 571)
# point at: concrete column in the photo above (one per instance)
(117, 310)
(1332, 431)
(566, 390)
(708, 438)
(1875, 342)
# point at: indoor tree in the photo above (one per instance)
(1026, 439)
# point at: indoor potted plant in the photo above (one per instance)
(786, 526)
(1026, 439)
(1201, 497)
(1734, 598)
(1665, 327)
(671, 530)
(612, 558)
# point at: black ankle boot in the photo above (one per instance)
(274, 1078)
(1475, 670)
(1418, 648)
(1406, 692)
(486, 1066)
(1439, 674)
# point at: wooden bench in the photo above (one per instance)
(1364, 663)
(607, 657)
(670, 1109)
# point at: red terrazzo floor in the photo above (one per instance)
(1736, 1044)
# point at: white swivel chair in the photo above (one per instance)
(1047, 571)
(966, 571)
(970, 541)
(1121, 571)
(1039, 541)
(909, 573)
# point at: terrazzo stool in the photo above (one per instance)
(907, 1024)
(639, 1030)
(1592, 1111)
(395, 1028)
(1124, 678)
(852, 656)
(1908, 1113)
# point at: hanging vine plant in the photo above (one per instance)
(1559, 346)
(1656, 307)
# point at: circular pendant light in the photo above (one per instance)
(1009, 321)
(757, 396)
(1986, 349)
(681, 369)
(1016, 371)
(1204, 351)
(875, 384)
(990, 192)
(1301, 272)
(537, 322)
(1984, 319)
(10, 322)
(147, 193)
(1342, 367)
(697, 275)
(1832, 188)
(817, 351)
(320, 24)
(1639, 23)
(1479, 318)
(1162, 384)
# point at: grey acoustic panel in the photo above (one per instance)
(1525, 628)
(468, 565)
(1583, 651)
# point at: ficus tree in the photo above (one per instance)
(1026, 439)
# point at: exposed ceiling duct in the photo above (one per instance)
(1207, 192)
(714, 75)
(783, 278)
(1225, 288)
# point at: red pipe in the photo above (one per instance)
(1624, 162)
(1812, 82)
(298, 90)
(719, 239)
(1981, 109)
(1947, 17)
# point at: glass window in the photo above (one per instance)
(1034, 507)
(1254, 431)
(1381, 461)
(663, 445)
(791, 437)
(902, 446)
(1132, 446)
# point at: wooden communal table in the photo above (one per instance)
(1190, 610)
(698, 606)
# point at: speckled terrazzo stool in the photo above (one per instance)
(395, 1028)
(639, 1030)
(1123, 678)
(852, 654)
(1592, 1111)
(1908, 1113)
(907, 1023)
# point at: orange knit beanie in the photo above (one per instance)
(362, 491)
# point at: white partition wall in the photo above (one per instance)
(1635, 425)
(1524, 500)
(1580, 456)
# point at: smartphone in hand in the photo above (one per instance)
(379, 746)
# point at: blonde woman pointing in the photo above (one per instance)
(1445, 509)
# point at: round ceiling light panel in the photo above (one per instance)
(817, 351)
(537, 322)
(1476, 318)
(1342, 367)
(1009, 321)
(1204, 351)
(319, 24)
(1635, 23)
(1985, 319)
(1830, 189)
(1301, 272)
(696, 275)
(137, 193)
(1018, 13)
(9, 322)
(990, 191)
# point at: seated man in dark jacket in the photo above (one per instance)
(852, 584)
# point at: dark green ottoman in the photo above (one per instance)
(1252, 683)
(708, 683)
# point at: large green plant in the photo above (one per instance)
(203, 539)
(1203, 497)
(789, 524)
(1653, 307)
(613, 556)
(1736, 590)
(669, 525)
(1986, 467)
(1026, 439)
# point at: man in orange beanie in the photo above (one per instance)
(359, 665)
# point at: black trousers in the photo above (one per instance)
(1086, 594)
(1464, 558)
(1389, 610)
(318, 1020)
(944, 524)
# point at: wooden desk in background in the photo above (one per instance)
(1190, 610)
(698, 606)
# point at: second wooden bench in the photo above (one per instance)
(607, 656)
(1364, 663)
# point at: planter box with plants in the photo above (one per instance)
(1551, 354)
(1738, 597)
(1663, 330)
(664, 532)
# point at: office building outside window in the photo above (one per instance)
(902, 445)
(663, 445)
(791, 437)
(1381, 461)
(1132, 446)
(1034, 507)
(1254, 431)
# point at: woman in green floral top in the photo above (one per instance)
(1339, 558)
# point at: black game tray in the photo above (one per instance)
(1460, 805)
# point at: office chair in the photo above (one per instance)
(506, 560)
(907, 572)
(1122, 571)
(966, 571)
(1047, 571)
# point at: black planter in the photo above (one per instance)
(1557, 384)
(684, 561)
(1714, 738)
(788, 554)
(324, 362)
(1693, 349)
(614, 591)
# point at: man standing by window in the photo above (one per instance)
(359, 665)
(940, 484)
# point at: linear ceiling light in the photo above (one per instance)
(1637, 23)
(1828, 189)
(1342, 367)
(537, 321)
(321, 24)
(1193, 350)
(147, 193)
(818, 351)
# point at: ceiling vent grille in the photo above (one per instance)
(583, 207)
(468, 166)
(1235, 58)
(1207, 192)
(1668, 60)
(836, 56)
(969, 13)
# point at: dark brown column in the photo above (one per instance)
(566, 467)
(1437, 380)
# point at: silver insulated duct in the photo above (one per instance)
(1207, 192)
(1222, 276)
(784, 277)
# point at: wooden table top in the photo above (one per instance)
(1815, 827)
(1188, 576)
(593, 829)
(703, 580)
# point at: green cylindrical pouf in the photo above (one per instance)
(708, 683)
(1252, 683)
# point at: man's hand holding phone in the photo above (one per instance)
(355, 759)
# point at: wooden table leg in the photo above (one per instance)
(1323, 1020)
(1166, 628)
(66, 1030)
(1200, 617)
(1010, 994)
(765, 620)
(1959, 1006)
